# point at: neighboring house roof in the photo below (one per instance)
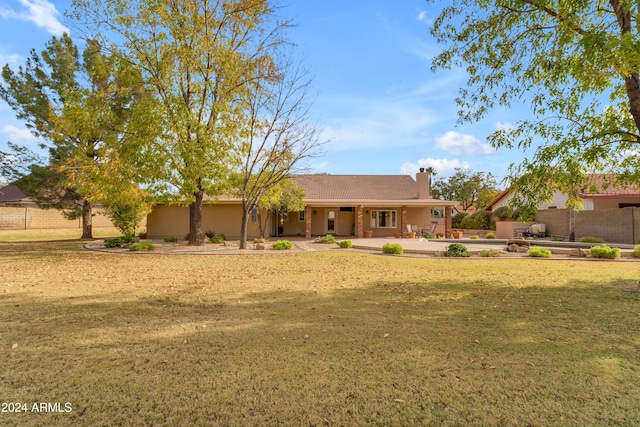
(11, 194)
(599, 186)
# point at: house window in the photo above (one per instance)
(383, 219)
(301, 216)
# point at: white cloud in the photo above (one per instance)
(443, 167)
(40, 12)
(11, 59)
(422, 15)
(460, 144)
(18, 135)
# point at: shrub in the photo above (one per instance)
(539, 252)
(345, 244)
(480, 220)
(473, 237)
(456, 220)
(428, 235)
(457, 250)
(142, 246)
(217, 239)
(604, 251)
(589, 239)
(392, 248)
(127, 208)
(636, 252)
(327, 239)
(490, 236)
(504, 213)
(209, 234)
(282, 245)
(118, 242)
(171, 239)
(490, 253)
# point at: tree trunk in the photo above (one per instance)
(87, 220)
(196, 236)
(572, 225)
(243, 227)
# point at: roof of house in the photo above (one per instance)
(602, 185)
(357, 187)
(12, 194)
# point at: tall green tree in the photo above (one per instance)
(80, 106)
(200, 57)
(470, 189)
(277, 136)
(575, 63)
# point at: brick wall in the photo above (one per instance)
(35, 218)
(613, 225)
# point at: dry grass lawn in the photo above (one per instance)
(318, 338)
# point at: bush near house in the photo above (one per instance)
(490, 236)
(217, 238)
(327, 239)
(457, 250)
(604, 251)
(456, 220)
(345, 244)
(636, 252)
(539, 253)
(118, 242)
(281, 245)
(171, 239)
(480, 220)
(392, 248)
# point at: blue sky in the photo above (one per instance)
(378, 101)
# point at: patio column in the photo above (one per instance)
(360, 222)
(447, 221)
(307, 221)
(403, 221)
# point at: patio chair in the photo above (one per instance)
(416, 230)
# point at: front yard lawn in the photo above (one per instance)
(316, 338)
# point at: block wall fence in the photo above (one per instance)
(31, 218)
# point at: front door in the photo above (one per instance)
(331, 223)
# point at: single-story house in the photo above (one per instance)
(600, 196)
(11, 195)
(344, 205)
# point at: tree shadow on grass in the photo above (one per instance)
(388, 352)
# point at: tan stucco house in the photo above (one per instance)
(343, 205)
(598, 195)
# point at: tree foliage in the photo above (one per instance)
(80, 105)
(470, 189)
(282, 197)
(200, 58)
(575, 64)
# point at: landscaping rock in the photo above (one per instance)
(260, 246)
(518, 242)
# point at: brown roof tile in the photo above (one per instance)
(357, 187)
(12, 194)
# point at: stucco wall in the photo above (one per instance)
(166, 221)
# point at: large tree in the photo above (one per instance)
(277, 135)
(575, 63)
(81, 106)
(470, 189)
(200, 57)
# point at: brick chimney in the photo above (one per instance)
(423, 181)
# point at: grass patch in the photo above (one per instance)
(142, 246)
(589, 239)
(343, 338)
